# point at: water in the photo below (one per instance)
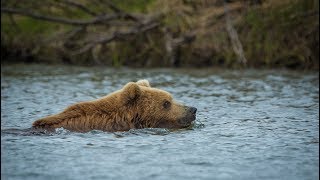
(250, 124)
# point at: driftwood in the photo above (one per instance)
(236, 44)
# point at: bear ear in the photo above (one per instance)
(131, 91)
(143, 82)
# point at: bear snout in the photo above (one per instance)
(189, 116)
(192, 110)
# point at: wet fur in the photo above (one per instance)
(133, 107)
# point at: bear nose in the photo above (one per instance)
(192, 110)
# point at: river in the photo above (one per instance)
(251, 124)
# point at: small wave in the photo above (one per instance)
(145, 131)
(61, 131)
(198, 125)
(26, 132)
(157, 131)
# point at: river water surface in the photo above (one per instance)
(251, 124)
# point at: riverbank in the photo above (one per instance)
(246, 34)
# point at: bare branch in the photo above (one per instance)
(97, 20)
(77, 5)
(78, 37)
(116, 35)
(74, 32)
(115, 9)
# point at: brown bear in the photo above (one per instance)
(137, 105)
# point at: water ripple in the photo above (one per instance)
(250, 125)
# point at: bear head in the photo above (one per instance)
(155, 108)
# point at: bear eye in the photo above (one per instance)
(166, 104)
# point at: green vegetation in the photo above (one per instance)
(273, 34)
(283, 35)
(133, 6)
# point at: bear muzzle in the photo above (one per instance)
(190, 116)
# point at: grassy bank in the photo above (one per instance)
(272, 34)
